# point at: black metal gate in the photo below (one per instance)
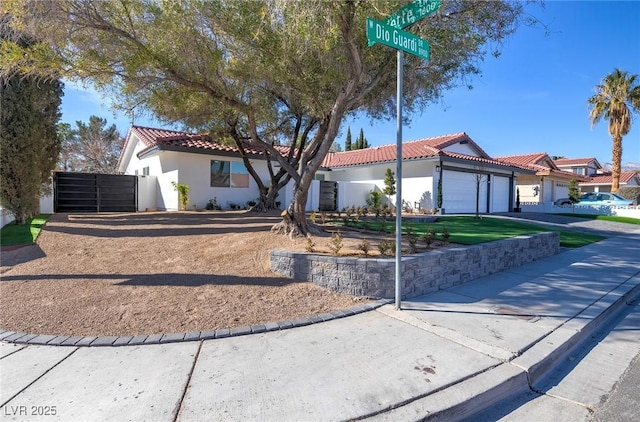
(328, 196)
(92, 192)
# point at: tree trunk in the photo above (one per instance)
(294, 218)
(617, 163)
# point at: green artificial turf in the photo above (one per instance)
(22, 234)
(467, 230)
(614, 218)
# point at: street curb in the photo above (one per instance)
(463, 400)
(128, 340)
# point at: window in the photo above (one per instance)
(145, 171)
(229, 174)
(579, 170)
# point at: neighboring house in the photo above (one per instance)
(456, 158)
(213, 170)
(549, 181)
(581, 166)
(599, 180)
(602, 182)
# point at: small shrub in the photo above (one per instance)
(251, 204)
(365, 247)
(212, 205)
(630, 192)
(392, 247)
(313, 217)
(311, 245)
(183, 194)
(349, 212)
(387, 247)
(375, 199)
(323, 217)
(412, 239)
(335, 244)
(383, 246)
(445, 235)
(429, 237)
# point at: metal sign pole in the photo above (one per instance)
(399, 179)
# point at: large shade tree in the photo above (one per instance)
(29, 145)
(263, 73)
(94, 147)
(616, 98)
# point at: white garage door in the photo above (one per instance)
(500, 194)
(459, 192)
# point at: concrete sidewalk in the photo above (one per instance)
(446, 355)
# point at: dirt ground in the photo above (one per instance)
(145, 273)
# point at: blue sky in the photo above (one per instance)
(530, 99)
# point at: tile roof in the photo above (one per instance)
(411, 150)
(527, 160)
(607, 178)
(575, 161)
(152, 137)
(532, 161)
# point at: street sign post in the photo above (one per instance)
(412, 13)
(379, 32)
(390, 33)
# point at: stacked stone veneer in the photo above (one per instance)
(421, 273)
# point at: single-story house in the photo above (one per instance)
(547, 184)
(213, 170)
(455, 158)
(210, 169)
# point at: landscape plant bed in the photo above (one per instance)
(421, 272)
(466, 230)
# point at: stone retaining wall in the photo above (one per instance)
(421, 273)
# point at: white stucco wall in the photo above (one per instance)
(195, 171)
(417, 183)
(6, 217)
(354, 194)
(462, 149)
(147, 193)
(46, 204)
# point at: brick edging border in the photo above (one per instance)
(114, 341)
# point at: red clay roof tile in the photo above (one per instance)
(411, 150)
(607, 178)
(152, 137)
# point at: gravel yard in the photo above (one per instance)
(160, 272)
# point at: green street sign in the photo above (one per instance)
(396, 38)
(412, 13)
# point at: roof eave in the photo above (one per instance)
(192, 150)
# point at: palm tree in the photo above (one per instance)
(615, 99)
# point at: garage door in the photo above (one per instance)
(500, 194)
(91, 192)
(459, 192)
